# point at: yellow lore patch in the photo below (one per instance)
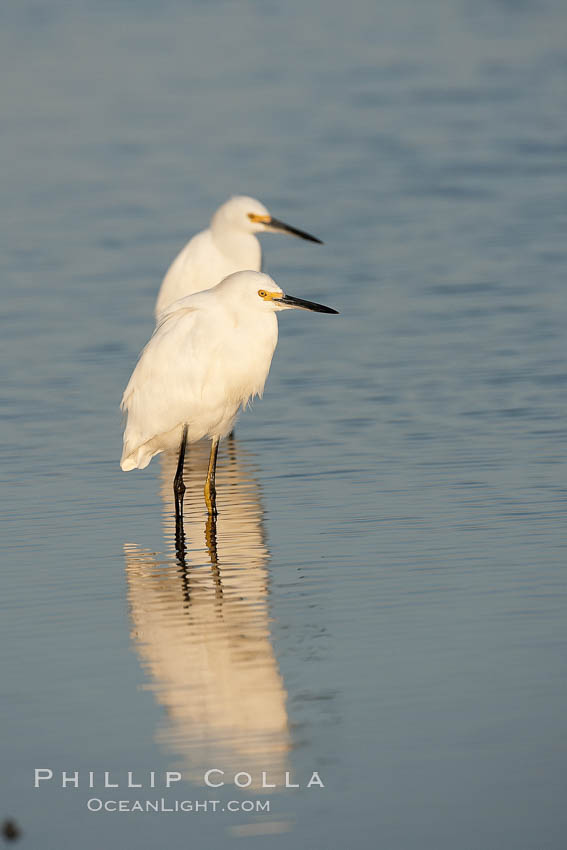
(263, 219)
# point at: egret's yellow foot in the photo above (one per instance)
(211, 497)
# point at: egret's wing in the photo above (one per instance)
(170, 376)
(178, 308)
(198, 266)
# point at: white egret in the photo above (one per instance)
(228, 245)
(209, 355)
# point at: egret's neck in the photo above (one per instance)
(238, 246)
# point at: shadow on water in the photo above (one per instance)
(201, 626)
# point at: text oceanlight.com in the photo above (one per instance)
(95, 804)
(73, 780)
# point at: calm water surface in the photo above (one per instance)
(382, 599)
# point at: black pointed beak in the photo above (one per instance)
(290, 301)
(282, 227)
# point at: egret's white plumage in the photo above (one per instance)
(209, 355)
(228, 245)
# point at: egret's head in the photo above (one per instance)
(259, 291)
(250, 216)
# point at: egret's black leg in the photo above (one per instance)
(181, 550)
(210, 489)
(232, 446)
(178, 485)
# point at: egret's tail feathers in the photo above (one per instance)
(138, 459)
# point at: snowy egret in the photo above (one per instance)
(228, 245)
(209, 355)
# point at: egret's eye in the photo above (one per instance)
(262, 293)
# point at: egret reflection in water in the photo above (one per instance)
(201, 627)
